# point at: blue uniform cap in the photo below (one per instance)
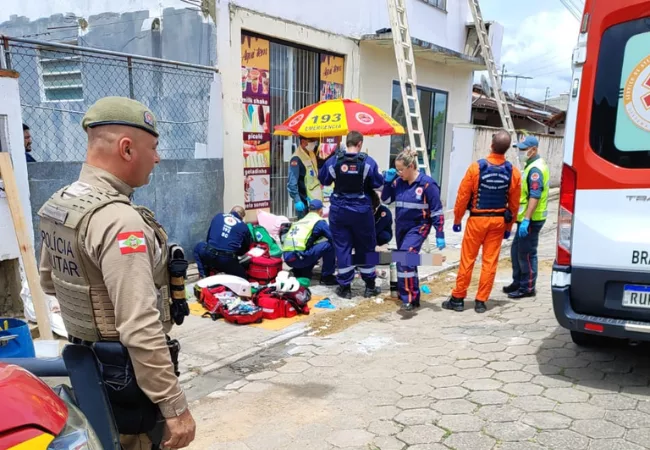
(530, 141)
(315, 205)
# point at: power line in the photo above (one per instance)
(572, 9)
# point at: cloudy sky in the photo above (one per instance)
(539, 38)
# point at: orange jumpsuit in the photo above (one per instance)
(482, 231)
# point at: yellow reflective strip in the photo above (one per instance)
(38, 443)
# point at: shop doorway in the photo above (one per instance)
(294, 84)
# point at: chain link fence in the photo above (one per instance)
(59, 82)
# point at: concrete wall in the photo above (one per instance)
(470, 143)
(184, 195)
(550, 148)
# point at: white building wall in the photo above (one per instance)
(379, 70)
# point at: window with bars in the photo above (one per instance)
(294, 82)
(60, 73)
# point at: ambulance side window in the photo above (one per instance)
(620, 119)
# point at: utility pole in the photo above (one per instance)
(503, 72)
(548, 91)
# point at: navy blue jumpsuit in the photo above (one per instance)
(351, 217)
(418, 207)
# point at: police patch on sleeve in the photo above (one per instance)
(294, 163)
(383, 214)
(534, 176)
(132, 242)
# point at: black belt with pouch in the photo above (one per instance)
(133, 411)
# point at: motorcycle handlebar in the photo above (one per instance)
(51, 367)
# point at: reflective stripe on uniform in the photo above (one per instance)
(367, 269)
(343, 270)
(332, 172)
(405, 274)
(440, 212)
(409, 205)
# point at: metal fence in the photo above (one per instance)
(58, 82)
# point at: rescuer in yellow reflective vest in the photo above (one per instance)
(307, 241)
(303, 184)
(533, 210)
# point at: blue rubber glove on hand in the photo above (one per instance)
(523, 228)
(440, 243)
(390, 175)
(506, 235)
(300, 206)
(457, 228)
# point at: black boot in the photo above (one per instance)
(408, 307)
(454, 304)
(371, 290)
(344, 292)
(479, 307)
(512, 287)
(329, 280)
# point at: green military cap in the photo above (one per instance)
(120, 111)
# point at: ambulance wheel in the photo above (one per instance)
(588, 340)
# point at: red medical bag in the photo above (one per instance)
(263, 269)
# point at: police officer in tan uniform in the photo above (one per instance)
(107, 261)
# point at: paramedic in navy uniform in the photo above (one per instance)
(228, 239)
(351, 216)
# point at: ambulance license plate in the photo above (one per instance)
(636, 296)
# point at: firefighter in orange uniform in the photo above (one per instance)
(490, 191)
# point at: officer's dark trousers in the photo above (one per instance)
(302, 263)
(524, 257)
(409, 239)
(208, 262)
(353, 230)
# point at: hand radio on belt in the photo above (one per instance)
(177, 273)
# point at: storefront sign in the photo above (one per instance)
(331, 87)
(256, 115)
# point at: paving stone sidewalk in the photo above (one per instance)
(510, 380)
(208, 346)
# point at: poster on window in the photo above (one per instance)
(331, 87)
(256, 116)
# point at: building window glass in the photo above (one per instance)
(61, 78)
(441, 4)
(433, 108)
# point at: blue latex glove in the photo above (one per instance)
(390, 175)
(440, 243)
(457, 228)
(506, 235)
(523, 228)
(300, 206)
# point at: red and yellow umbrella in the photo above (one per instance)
(330, 118)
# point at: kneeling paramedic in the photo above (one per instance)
(417, 208)
(490, 190)
(306, 242)
(354, 175)
(228, 238)
(119, 283)
(533, 209)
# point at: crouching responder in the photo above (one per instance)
(108, 263)
(228, 239)
(354, 175)
(383, 220)
(490, 190)
(417, 208)
(306, 242)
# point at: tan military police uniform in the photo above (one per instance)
(105, 260)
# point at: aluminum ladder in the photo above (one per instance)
(486, 52)
(408, 80)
